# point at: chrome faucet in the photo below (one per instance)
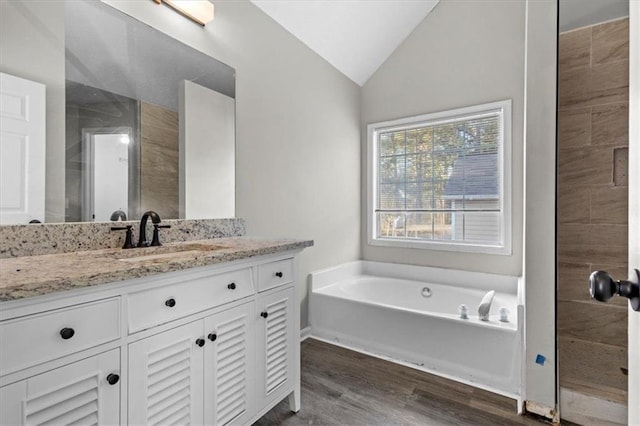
(485, 306)
(155, 218)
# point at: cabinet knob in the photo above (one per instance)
(212, 337)
(67, 333)
(279, 274)
(231, 286)
(112, 379)
(264, 314)
(200, 342)
(170, 302)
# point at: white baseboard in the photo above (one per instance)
(305, 333)
(588, 410)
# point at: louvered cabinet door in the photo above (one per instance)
(77, 393)
(228, 366)
(275, 337)
(165, 377)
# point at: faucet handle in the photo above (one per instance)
(155, 242)
(128, 239)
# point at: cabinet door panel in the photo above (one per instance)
(275, 340)
(77, 393)
(229, 366)
(166, 377)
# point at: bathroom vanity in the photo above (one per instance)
(197, 332)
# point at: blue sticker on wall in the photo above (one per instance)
(540, 359)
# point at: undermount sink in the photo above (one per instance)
(165, 252)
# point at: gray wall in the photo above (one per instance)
(581, 13)
(454, 59)
(451, 60)
(32, 47)
(297, 138)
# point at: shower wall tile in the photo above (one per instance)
(595, 366)
(609, 124)
(593, 322)
(621, 166)
(587, 254)
(575, 49)
(608, 235)
(573, 282)
(610, 41)
(573, 203)
(574, 128)
(609, 83)
(574, 88)
(159, 159)
(572, 234)
(585, 166)
(592, 205)
(609, 204)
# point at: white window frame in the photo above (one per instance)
(504, 178)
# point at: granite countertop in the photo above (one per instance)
(28, 276)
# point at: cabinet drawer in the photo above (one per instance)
(273, 274)
(156, 306)
(43, 337)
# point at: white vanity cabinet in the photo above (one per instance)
(83, 392)
(166, 376)
(196, 373)
(212, 345)
(229, 366)
(277, 354)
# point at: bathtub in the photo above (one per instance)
(409, 314)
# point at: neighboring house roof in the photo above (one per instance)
(473, 176)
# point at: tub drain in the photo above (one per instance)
(426, 292)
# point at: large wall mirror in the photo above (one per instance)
(149, 122)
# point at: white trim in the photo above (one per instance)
(504, 176)
(305, 333)
(594, 24)
(634, 207)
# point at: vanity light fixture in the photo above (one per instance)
(199, 11)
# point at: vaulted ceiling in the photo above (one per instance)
(355, 36)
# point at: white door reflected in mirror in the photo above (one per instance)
(107, 178)
(22, 150)
(207, 153)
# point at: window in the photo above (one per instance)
(440, 180)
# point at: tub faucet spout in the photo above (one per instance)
(485, 306)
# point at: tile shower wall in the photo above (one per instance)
(592, 205)
(159, 160)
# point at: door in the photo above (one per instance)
(110, 167)
(228, 366)
(634, 205)
(275, 337)
(166, 377)
(106, 172)
(85, 392)
(22, 150)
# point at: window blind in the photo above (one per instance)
(440, 180)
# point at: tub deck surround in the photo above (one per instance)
(28, 276)
(39, 239)
(383, 309)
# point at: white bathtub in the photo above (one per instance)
(381, 308)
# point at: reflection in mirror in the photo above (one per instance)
(91, 112)
(108, 175)
(124, 82)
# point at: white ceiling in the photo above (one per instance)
(355, 36)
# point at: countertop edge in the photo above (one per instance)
(56, 283)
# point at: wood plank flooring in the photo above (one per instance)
(343, 387)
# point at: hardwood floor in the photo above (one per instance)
(343, 387)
